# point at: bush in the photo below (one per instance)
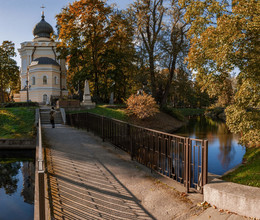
(141, 106)
(20, 104)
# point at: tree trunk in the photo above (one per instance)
(2, 90)
(152, 74)
(169, 82)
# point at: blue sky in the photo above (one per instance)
(18, 17)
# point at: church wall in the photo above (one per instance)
(41, 47)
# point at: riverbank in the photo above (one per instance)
(17, 122)
(161, 121)
(248, 173)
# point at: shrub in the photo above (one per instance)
(141, 106)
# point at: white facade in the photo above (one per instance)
(41, 71)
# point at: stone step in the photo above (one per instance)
(45, 117)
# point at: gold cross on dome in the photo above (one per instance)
(43, 10)
(43, 7)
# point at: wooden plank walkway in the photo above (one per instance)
(81, 184)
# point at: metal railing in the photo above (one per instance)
(40, 174)
(182, 159)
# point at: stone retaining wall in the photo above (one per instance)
(17, 143)
(241, 199)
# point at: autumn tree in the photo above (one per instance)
(149, 17)
(9, 71)
(225, 38)
(174, 45)
(162, 31)
(97, 41)
(118, 57)
(83, 29)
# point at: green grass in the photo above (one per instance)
(116, 113)
(14, 160)
(190, 111)
(249, 172)
(174, 113)
(17, 123)
(182, 113)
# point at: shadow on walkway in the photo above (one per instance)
(81, 185)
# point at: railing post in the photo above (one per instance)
(187, 164)
(41, 176)
(78, 120)
(103, 129)
(41, 195)
(130, 141)
(87, 121)
(204, 163)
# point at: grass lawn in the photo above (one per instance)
(117, 113)
(17, 122)
(249, 172)
(191, 111)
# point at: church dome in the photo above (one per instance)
(44, 61)
(42, 29)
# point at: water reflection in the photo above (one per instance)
(8, 176)
(28, 182)
(16, 184)
(224, 150)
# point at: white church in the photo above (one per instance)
(43, 75)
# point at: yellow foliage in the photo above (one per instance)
(141, 106)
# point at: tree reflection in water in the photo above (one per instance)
(224, 150)
(28, 182)
(227, 151)
(8, 176)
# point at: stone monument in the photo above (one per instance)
(87, 103)
(111, 101)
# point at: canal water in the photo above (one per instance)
(17, 184)
(224, 151)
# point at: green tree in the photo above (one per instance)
(9, 71)
(225, 38)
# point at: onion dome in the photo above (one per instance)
(42, 29)
(44, 61)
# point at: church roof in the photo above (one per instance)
(44, 61)
(42, 29)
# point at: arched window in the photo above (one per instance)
(56, 80)
(44, 80)
(33, 80)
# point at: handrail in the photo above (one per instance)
(136, 126)
(40, 160)
(41, 175)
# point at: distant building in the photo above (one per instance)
(43, 75)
